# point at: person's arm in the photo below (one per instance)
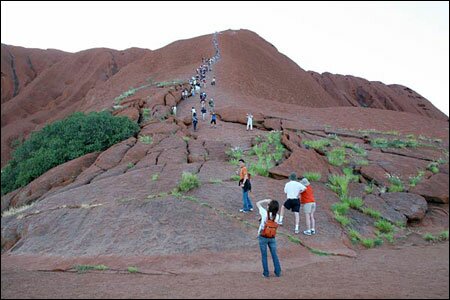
(261, 202)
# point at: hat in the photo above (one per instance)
(305, 181)
(293, 176)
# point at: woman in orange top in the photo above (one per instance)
(309, 207)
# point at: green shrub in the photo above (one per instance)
(443, 236)
(124, 95)
(155, 177)
(429, 237)
(336, 157)
(355, 203)
(348, 172)
(340, 208)
(188, 182)
(371, 212)
(261, 167)
(12, 211)
(338, 184)
(216, 181)
(379, 143)
(146, 114)
(146, 139)
(355, 147)
(369, 188)
(362, 162)
(395, 143)
(378, 242)
(343, 220)
(396, 184)
(132, 270)
(84, 268)
(354, 236)
(235, 153)
(312, 176)
(384, 226)
(62, 141)
(433, 167)
(413, 181)
(368, 243)
(317, 144)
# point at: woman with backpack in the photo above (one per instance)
(266, 234)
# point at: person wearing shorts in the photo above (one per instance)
(292, 189)
(309, 207)
(213, 120)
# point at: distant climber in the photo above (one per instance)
(249, 121)
(211, 105)
(194, 120)
(203, 110)
(213, 80)
(243, 175)
(213, 120)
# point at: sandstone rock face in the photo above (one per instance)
(434, 189)
(302, 161)
(387, 211)
(412, 206)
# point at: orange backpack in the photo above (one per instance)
(270, 228)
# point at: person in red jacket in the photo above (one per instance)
(308, 206)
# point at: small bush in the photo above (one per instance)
(354, 236)
(355, 203)
(413, 181)
(348, 172)
(336, 157)
(317, 144)
(132, 270)
(369, 188)
(378, 242)
(124, 95)
(388, 236)
(130, 165)
(155, 177)
(343, 220)
(235, 153)
(188, 182)
(384, 226)
(84, 268)
(379, 143)
(371, 212)
(396, 184)
(443, 236)
(338, 184)
(368, 243)
(429, 237)
(362, 162)
(340, 208)
(312, 176)
(146, 139)
(356, 148)
(433, 167)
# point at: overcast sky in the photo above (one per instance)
(392, 42)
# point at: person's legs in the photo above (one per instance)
(244, 201)
(308, 221)
(281, 215)
(263, 248)
(297, 220)
(249, 202)
(251, 125)
(313, 221)
(273, 251)
(248, 125)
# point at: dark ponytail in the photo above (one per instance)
(273, 208)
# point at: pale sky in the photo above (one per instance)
(393, 42)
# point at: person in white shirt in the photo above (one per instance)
(293, 189)
(249, 121)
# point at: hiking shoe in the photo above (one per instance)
(307, 232)
(297, 231)
(280, 223)
(251, 209)
(313, 231)
(243, 211)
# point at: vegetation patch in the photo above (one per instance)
(433, 167)
(384, 226)
(84, 268)
(336, 157)
(132, 270)
(317, 144)
(312, 176)
(371, 212)
(146, 139)
(188, 182)
(62, 141)
(396, 184)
